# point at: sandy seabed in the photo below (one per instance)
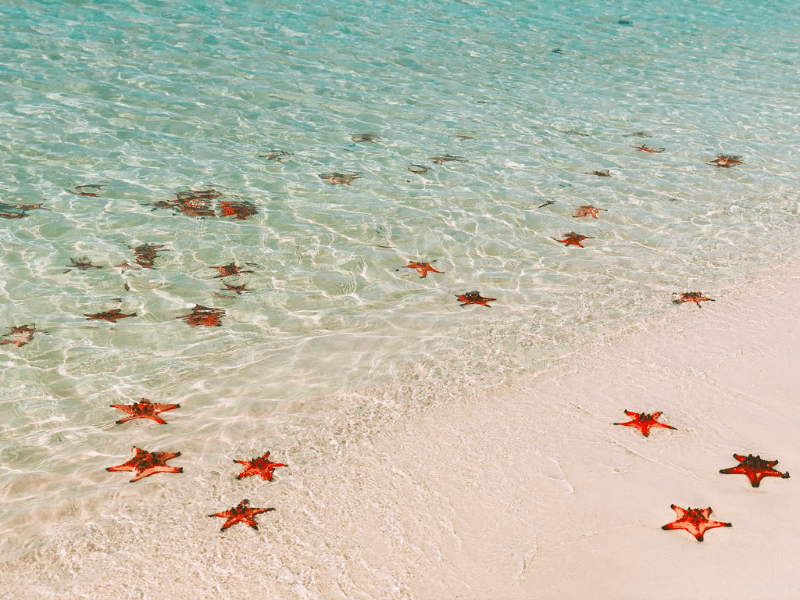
(531, 492)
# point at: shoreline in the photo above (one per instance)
(529, 493)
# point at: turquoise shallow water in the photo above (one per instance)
(153, 99)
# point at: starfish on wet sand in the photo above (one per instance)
(242, 513)
(19, 335)
(644, 422)
(644, 148)
(262, 466)
(17, 211)
(588, 211)
(276, 155)
(421, 268)
(240, 209)
(447, 158)
(573, 239)
(111, 316)
(417, 169)
(474, 298)
(756, 468)
(696, 297)
(229, 270)
(360, 138)
(84, 264)
(694, 520)
(144, 410)
(603, 173)
(203, 315)
(726, 161)
(340, 178)
(146, 463)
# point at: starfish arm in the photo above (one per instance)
(124, 467)
(664, 425)
(248, 472)
(157, 419)
(739, 457)
(732, 470)
(222, 515)
(125, 420)
(165, 407)
(678, 510)
(230, 522)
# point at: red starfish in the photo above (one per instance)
(694, 520)
(111, 316)
(573, 239)
(147, 463)
(241, 210)
(17, 211)
(421, 268)
(229, 270)
(756, 468)
(19, 335)
(695, 297)
(726, 161)
(203, 315)
(145, 410)
(644, 422)
(590, 210)
(474, 298)
(644, 148)
(236, 288)
(258, 466)
(241, 514)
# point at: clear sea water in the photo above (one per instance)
(335, 338)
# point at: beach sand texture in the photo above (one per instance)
(528, 493)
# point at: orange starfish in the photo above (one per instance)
(726, 161)
(19, 335)
(644, 148)
(475, 298)
(756, 468)
(203, 315)
(258, 466)
(241, 514)
(696, 297)
(644, 422)
(146, 463)
(17, 211)
(694, 520)
(111, 316)
(235, 288)
(240, 209)
(421, 268)
(144, 410)
(573, 239)
(229, 270)
(590, 210)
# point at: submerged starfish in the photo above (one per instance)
(144, 410)
(146, 254)
(111, 316)
(547, 203)
(88, 186)
(84, 264)
(726, 161)
(193, 203)
(17, 211)
(340, 178)
(19, 335)
(203, 315)
(644, 148)
(573, 132)
(603, 173)
(756, 468)
(462, 138)
(474, 298)
(644, 422)
(637, 134)
(694, 520)
(241, 514)
(276, 155)
(258, 466)
(573, 239)
(365, 137)
(146, 463)
(584, 211)
(235, 288)
(229, 270)
(447, 158)
(240, 209)
(421, 268)
(417, 169)
(696, 297)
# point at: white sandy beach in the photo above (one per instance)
(530, 493)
